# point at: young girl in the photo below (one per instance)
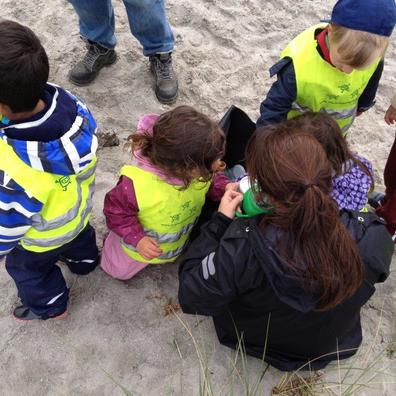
(352, 173)
(156, 203)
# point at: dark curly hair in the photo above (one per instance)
(184, 144)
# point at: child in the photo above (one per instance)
(333, 68)
(353, 174)
(387, 205)
(47, 176)
(156, 203)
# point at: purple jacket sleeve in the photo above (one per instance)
(120, 210)
(217, 188)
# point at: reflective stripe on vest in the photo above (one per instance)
(338, 115)
(167, 256)
(69, 236)
(40, 224)
(167, 212)
(168, 237)
(320, 86)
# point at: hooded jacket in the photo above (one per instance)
(233, 273)
(59, 140)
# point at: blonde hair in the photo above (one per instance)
(356, 47)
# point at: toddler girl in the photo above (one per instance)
(352, 173)
(151, 211)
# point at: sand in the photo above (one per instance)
(120, 332)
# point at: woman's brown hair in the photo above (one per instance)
(184, 144)
(291, 167)
(328, 133)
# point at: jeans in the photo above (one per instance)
(40, 282)
(147, 21)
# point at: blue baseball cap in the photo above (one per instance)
(373, 16)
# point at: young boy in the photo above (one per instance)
(333, 68)
(47, 176)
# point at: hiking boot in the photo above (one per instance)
(95, 59)
(24, 314)
(166, 85)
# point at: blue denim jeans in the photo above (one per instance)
(147, 21)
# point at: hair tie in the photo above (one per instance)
(309, 185)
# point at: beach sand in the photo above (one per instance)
(121, 333)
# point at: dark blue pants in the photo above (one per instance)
(40, 282)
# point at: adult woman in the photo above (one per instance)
(297, 276)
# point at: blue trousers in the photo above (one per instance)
(40, 282)
(147, 20)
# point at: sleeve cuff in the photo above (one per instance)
(362, 109)
(219, 224)
(134, 239)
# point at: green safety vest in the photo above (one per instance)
(320, 86)
(67, 201)
(166, 212)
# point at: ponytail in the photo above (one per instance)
(292, 168)
(140, 141)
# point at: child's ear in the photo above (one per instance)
(4, 109)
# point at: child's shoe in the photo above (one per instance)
(387, 210)
(24, 314)
(376, 199)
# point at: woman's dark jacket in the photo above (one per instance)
(233, 273)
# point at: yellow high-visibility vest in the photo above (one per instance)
(166, 212)
(67, 201)
(320, 86)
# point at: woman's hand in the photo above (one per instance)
(148, 248)
(230, 202)
(390, 115)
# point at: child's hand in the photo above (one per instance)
(148, 248)
(232, 186)
(390, 115)
(230, 202)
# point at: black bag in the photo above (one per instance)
(238, 128)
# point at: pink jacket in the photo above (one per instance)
(120, 204)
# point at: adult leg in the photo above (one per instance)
(96, 19)
(82, 255)
(40, 283)
(149, 24)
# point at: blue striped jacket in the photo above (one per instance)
(67, 143)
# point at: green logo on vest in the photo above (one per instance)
(344, 87)
(355, 93)
(64, 181)
(330, 97)
(175, 218)
(186, 205)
